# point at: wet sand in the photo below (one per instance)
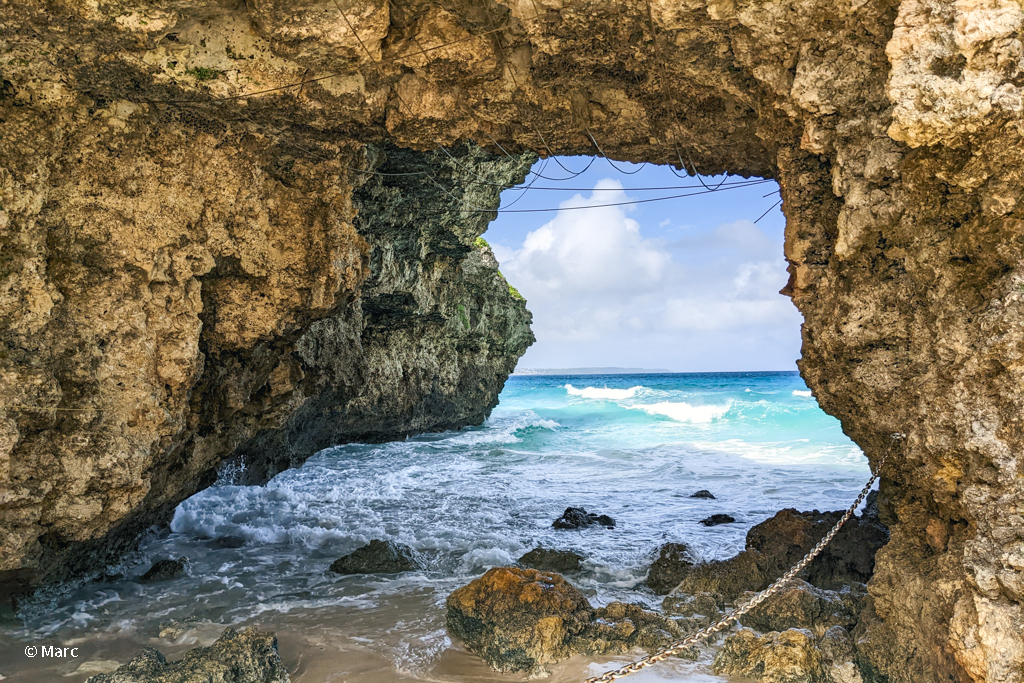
(381, 645)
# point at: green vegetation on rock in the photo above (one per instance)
(481, 243)
(203, 73)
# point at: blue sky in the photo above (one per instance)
(688, 284)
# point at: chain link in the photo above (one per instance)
(678, 646)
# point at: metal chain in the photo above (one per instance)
(678, 646)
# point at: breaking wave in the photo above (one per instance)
(607, 394)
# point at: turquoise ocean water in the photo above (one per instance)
(631, 446)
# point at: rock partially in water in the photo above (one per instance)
(803, 606)
(791, 656)
(578, 518)
(850, 558)
(716, 519)
(673, 563)
(552, 560)
(703, 493)
(249, 656)
(521, 620)
(729, 578)
(226, 542)
(164, 570)
(379, 557)
(772, 547)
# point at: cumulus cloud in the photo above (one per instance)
(604, 294)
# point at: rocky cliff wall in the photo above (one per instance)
(893, 127)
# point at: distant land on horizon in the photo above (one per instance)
(591, 371)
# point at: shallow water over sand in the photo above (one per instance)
(633, 447)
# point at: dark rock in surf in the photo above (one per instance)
(551, 560)
(379, 557)
(703, 493)
(775, 545)
(668, 570)
(226, 542)
(715, 520)
(578, 518)
(164, 570)
(248, 656)
(729, 578)
(850, 558)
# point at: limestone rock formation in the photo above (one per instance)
(183, 276)
(790, 656)
(801, 605)
(248, 656)
(520, 620)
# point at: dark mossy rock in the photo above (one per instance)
(703, 493)
(668, 570)
(578, 518)
(716, 519)
(850, 558)
(248, 656)
(552, 560)
(801, 605)
(379, 557)
(729, 578)
(164, 570)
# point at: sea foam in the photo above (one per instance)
(608, 394)
(684, 412)
(805, 394)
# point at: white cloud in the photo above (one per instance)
(603, 294)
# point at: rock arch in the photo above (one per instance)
(188, 269)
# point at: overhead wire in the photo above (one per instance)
(537, 174)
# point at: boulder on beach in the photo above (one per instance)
(549, 559)
(716, 519)
(521, 620)
(790, 656)
(578, 518)
(787, 657)
(379, 557)
(248, 656)
(164, 570)
(703, 493)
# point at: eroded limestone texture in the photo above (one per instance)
(165, 247)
